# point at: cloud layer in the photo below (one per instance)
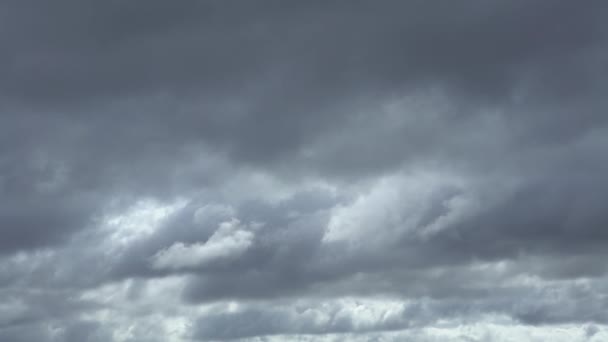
(323, 171)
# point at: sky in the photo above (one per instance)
(420, 170)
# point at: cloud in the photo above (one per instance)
(344, 316)
(227, 242)
(373, 171)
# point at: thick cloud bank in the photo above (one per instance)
(303, 170)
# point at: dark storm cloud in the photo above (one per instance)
(38, 211)
(90, 49)
(297, 71)
(453, 149)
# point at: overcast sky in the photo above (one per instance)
(416, 170)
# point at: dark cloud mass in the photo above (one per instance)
(308, 171)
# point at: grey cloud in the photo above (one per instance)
(85, 331)
(447, 152)
(311, 319)
(156, 44)
(332, 66)
(551, 305)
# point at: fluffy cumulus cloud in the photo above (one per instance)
(303, 170)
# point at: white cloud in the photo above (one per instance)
(397, 204)
(229, 241)
(140, 220)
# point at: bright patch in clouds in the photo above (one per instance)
(229, 241)
(141, 220)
